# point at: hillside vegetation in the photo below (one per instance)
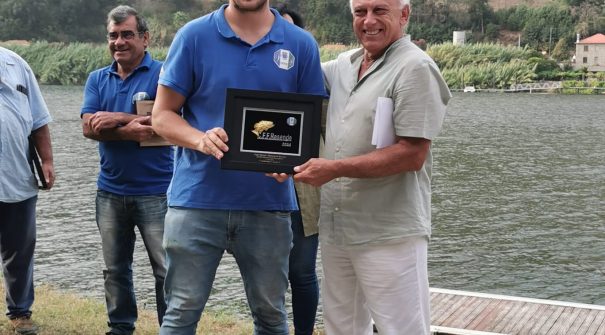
(540, 24)
(504, 4)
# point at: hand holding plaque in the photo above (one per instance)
(271, 131)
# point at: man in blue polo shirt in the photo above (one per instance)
(246, 45)
(132, 179)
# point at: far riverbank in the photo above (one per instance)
(480, 65)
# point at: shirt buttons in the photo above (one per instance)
(337, 179)
(336, 209)
(337, 149)
(342, 121)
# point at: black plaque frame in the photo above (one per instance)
(292, 139)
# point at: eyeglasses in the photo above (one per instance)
(126, 35)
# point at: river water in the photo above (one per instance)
(518, 202)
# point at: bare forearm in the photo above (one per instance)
(41, 137)
(100, 127)
(108, 135)
(394, 159)
(175, 129)
(408, 154)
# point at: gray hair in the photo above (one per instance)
(122, 13)
(402, 3)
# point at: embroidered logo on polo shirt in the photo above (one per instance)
(284, 59)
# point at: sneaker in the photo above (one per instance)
(23, 325)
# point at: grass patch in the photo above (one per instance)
(56, 312)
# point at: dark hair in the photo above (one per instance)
(282, 8)
(122, 13)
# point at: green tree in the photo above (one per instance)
(55, 21)
(561, 50)
(24, 19)
(514, 18)
(547, 25)
(330, 22)
(478, 11)
(590, 18)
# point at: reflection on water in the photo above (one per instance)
(519, 197)
(519, 201)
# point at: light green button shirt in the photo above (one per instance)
(22, 110)
(378, 210)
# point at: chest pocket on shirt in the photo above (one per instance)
(15, 96)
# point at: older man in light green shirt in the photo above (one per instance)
(375, 217)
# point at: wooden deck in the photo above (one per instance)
(470, 313)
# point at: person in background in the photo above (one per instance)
(375, 216)
(22, 112)
(212, 210)
(302, 274)
(132, 180)
(290, 15)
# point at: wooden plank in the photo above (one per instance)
(462, 304)
(588, 321)
(488, 316)
(517, 311)
(461, 301)
(601, 329)
(471, 313)
(438, 301)
(444, 301)
(550, 316)
(456, 317)
(488, 322)
(457, 331)
(514, 298)
(445, 310)
(566, 328)
(436, 298)
(526, 312)
(537, 315)
(480, 312)
(598, 324)
(582, 315)
(524, 320)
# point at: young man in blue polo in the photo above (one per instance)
(245, 45)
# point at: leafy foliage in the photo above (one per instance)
(68, 64)
(329, 20)
(52, 20)
(483, 65)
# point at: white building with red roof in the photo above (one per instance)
(590, 53)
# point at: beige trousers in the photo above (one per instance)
(386, 283)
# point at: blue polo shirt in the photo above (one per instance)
(126, 167)
(206, 58)
(22, 110)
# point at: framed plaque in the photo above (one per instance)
(271, 131)
(144, 108)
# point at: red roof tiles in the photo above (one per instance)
(594, 39)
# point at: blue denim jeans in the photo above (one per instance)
(17, 243)
(195, 241)
(303, 278)
(117, 216)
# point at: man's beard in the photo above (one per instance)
(245, 8)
